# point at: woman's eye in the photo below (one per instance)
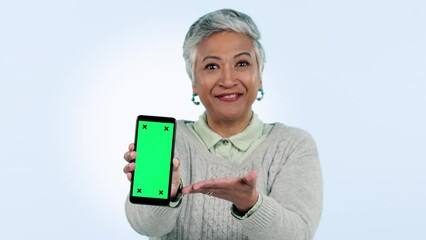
(211, 66)
(243, 64)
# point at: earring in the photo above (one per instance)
(193, 99)
(261, 94)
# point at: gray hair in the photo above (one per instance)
(220, 21)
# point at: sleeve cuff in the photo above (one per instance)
(241, 216)
(175, 203)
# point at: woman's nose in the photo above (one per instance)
(228, 77)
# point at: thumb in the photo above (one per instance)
(176, 172)
(250, 178)
(176, 164)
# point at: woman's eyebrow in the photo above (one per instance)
(213, 57)
(218, 58)
(242, 53)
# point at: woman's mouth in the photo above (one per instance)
(229, 97)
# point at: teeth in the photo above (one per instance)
(230, 96)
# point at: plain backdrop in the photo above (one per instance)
(75, 74)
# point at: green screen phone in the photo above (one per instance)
(154, 145)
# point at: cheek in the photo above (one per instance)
(197, 85)
(201, 88)
(257, 80)
(253, 80)
(203, 82)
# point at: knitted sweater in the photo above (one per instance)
(289, 179)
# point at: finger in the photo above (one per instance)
(176, 172)
(129, 176)
(191, 190)
(187, 189)
(176, 164)
(176, 184)
(250, 178)
(131, 147)
(129, 168)
(210, 192)
(130, 156)
(203, 184)
(216, 183)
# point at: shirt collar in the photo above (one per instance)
(242, 140)
(203, 130)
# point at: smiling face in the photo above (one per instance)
(227, 77)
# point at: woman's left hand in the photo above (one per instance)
(241, 191)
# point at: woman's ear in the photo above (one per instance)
(194, 89)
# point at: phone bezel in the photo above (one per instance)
(147, 200)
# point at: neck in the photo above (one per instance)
(228, 128)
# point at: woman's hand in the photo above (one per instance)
(128, 169)
(241, 191)
(130, 157)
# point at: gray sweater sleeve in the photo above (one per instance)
(292, 208)
(153, 221)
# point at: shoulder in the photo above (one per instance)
(184, 132)
(183, 126)
(288, 139)
(282, 132)
(183, 121)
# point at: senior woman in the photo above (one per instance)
(234, 177)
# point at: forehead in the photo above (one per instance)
(224, 43)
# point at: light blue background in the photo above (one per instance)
(75, 74)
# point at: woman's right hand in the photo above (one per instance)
(130, 157)
(128, 169)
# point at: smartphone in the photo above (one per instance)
(154, 145)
